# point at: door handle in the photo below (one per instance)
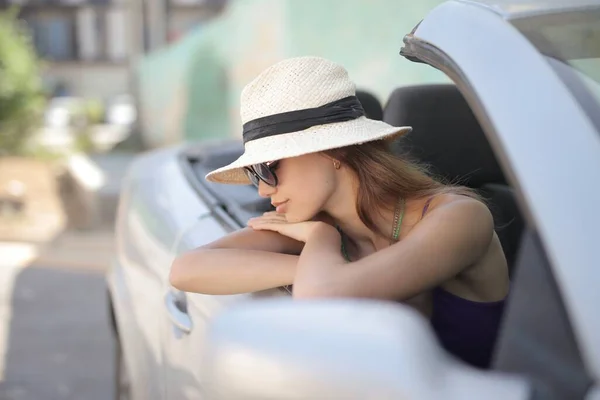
(176, 304)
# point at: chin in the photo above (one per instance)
(298, 217)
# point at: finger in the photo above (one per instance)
(259, 220)
(267, 219)
(273, 214)
(264, 221)
(266, 227)
(274, 220)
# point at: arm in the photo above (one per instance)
(241, 262)
(450, 239)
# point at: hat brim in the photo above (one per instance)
(311, 140)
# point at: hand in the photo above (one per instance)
(272, 221)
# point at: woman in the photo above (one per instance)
(350, 218)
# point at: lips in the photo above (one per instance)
(279, 206)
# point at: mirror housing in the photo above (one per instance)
(337, 349)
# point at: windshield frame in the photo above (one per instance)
(575, 83)
(560, 55)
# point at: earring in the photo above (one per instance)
(336, 164)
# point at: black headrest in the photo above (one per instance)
(445, 135)
(370, 104)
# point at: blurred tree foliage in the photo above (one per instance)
(21, 91)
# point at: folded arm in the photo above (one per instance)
(241, 262)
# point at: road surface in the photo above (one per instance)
(55, 341)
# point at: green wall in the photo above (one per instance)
(190, 90)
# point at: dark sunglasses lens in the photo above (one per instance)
(252, 176)
(265, 173)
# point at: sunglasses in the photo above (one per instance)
(262, 172)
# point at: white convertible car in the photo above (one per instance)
(521, 124)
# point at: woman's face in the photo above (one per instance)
(305, 185)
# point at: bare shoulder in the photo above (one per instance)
(469, 225)
(452, 217)
(462, 207)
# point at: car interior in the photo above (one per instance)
(536, 338)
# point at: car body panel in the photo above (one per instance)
(150, 220)
(283, 350)
(183, 351)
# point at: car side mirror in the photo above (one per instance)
(337, 349)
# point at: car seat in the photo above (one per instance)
(447, 137)
(371, 105)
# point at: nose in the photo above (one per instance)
(265, 190)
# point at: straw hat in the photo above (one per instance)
(299, 106)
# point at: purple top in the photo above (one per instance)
(467, 329)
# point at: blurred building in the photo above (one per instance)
(91, 50)
(90, 46)
(84, 44)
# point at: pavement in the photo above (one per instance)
(55, 337)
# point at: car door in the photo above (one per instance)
(538, 106)
(143, 254)
(189, 313)
(538, 339)
(155, 210)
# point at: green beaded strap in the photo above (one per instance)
(344, 251)
(398, 217)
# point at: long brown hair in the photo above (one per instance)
(384, 177)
